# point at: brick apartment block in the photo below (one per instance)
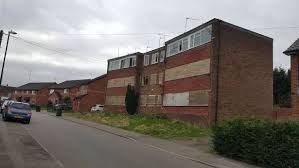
(212, 72)
(34, 93)
(293, 52)
(83, 93)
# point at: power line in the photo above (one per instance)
(50, 49)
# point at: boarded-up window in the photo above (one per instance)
(115, 100)
(151, 99)
(160, 78)
(176, 99)
(199, 98)
(159, 99)
(193, 98)
(142, 100)
(153, 79)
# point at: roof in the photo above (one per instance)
(97, 78)
(35, 86)
(6, 90)
(70, 83)
(293, 49)
(211, 22)
(156, 49)
(137, 54)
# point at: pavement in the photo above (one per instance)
(73, 143)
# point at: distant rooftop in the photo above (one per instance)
(293, 49)
(35, 86)
(70, 83)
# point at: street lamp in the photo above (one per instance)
(10, 32)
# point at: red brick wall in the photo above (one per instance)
(42, 97)
(95, 95)
(295, 84)
(245, 74)
(194, 114)
(120, 91)
(152, 89)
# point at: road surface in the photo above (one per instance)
(79, 146)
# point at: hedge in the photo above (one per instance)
(262, 142)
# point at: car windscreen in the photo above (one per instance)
(20, 106)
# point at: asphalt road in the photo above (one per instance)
(79, 146)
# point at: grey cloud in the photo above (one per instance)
(51, 24)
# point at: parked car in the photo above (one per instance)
(4, 104)
(62, 107)
(97, 107)
(17, 111)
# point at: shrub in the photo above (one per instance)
(131, 100)
(269, 143)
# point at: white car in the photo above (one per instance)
(97, 107)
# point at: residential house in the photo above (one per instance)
(33, 93)
(293, 52)
(91, 93)
(122, 71)
(69, 88)
(215, 71)
(6, 91)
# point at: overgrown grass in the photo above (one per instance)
(154, 125)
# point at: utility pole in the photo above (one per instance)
(3, 64)
(1, 35)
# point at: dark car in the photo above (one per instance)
(62, 107)
(17, 111)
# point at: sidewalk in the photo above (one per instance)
(195, 151)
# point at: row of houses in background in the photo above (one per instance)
(83, 94)
(212, 72)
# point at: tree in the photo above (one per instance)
(66, 100)
(281, 87)
(131, 100)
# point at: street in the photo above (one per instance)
(78, 146)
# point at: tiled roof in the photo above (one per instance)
(35, 86)
(294, 48)
(69, 84)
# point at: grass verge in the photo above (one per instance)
(154, 125)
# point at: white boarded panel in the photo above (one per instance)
(188, 70)
(176, 99)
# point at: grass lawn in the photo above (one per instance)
(155, 125)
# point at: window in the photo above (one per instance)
(162, 56)
(113, 65)
(132, 61)
(51, 91)
(146, 60)
(145, 80)
(196, 39)
(183, 44)
(16, 92)
(206, 35)
(27, 91)
(155, 58)
(65, 90)
(33, 92)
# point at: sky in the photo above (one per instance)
(61, 40)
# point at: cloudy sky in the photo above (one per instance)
(72, 39)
